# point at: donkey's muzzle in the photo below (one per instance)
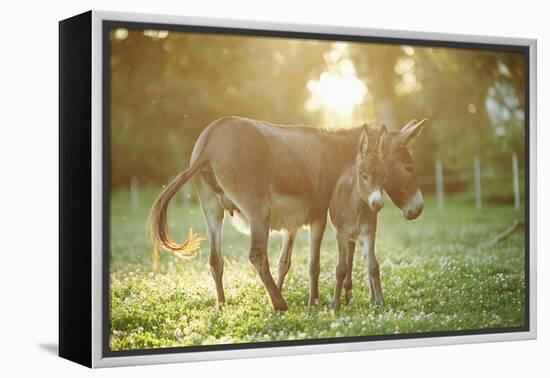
(414, 208)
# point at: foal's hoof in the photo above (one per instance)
(313, 302)
(336, 305)
(379, 302)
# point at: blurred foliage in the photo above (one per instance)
(166, 91)
(166, 87)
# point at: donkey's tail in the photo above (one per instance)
(157, 225)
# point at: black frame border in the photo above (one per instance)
(75, 188)
(107, 25)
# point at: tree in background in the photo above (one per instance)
(167, 87)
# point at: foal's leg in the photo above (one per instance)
(213, 213)
(366, 249)
(316, 231)
(349, 261)
(341, 268)
(286, 256)
(259, 234)
(374, 270)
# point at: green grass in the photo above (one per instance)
(432, 277)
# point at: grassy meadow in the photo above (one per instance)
(433, 278)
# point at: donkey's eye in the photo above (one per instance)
(408, 168)
(364, 176)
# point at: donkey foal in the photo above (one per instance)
(354, 206)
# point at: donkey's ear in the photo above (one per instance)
(383, 141)
(412, 122)
(364, 140)
(409, 133)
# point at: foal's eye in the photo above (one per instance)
(364, 176)
(408, 168)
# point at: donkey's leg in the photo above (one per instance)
(373, 268)
(213, 213)
(349, 273)
(316, 231)
(259, 234)
(215, 221)
(286, 256)
(341, 268)
(371, 289)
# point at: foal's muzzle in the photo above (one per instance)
(376, 201)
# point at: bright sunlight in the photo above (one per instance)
(338, 89)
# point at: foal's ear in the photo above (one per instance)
(411, 131)
(364, 140)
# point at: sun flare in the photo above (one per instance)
(338, 89)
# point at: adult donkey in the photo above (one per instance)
(272, 177)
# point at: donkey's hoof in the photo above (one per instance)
(348, 298)
(280, 306)
(336, 305)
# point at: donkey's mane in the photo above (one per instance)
(320, 130)
(341, 131)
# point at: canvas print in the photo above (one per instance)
(282, 190)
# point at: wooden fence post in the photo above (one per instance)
(134, 193)
(515, 171)
(477, 182)
(439, 190)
